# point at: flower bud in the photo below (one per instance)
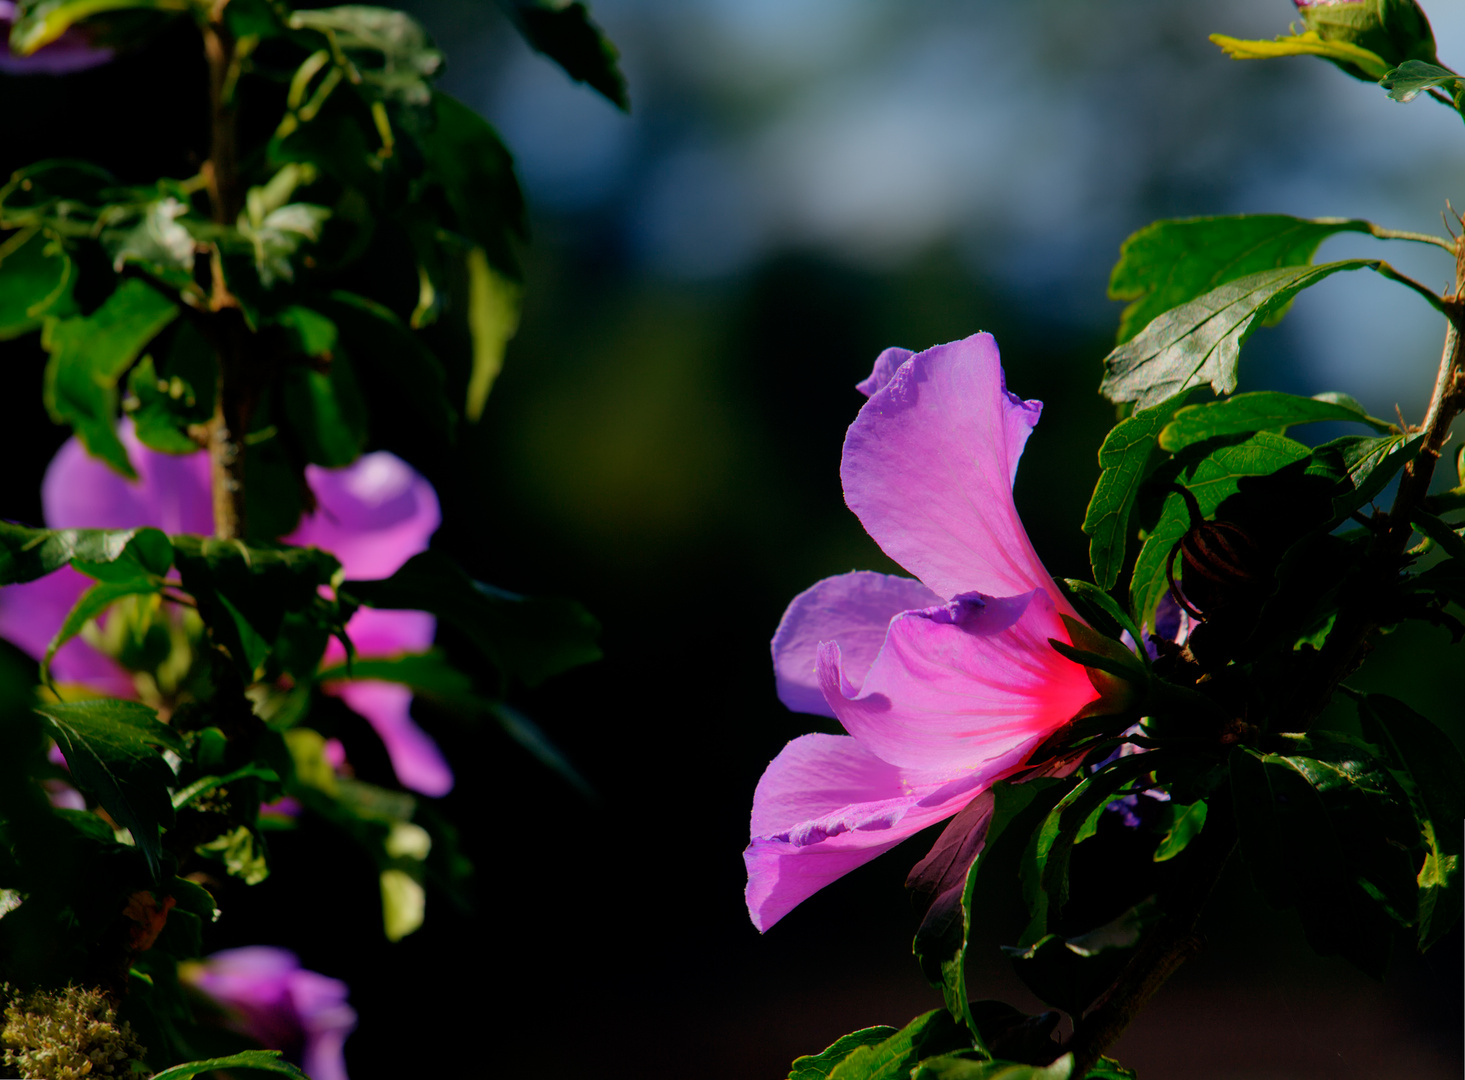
(1395, 30)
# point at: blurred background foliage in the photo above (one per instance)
(801, 183)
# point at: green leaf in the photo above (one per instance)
(964, 1067)
(389, 50)
(1362, 466)
(468, 162)
(90, 353)
(157, 244)
(1433, 771)
(493, 318)
(327, 412)
(40, 22)
(1100, 608)
(1211, 479)
(1109, 1069)
(112, 748)
(945, 881)
(1200, 341)
(27, 554)
(381, 345)
(1361, 62)
(565, 33)
(257, 1060)
(1171, 262)
(1124, 460)
(1438, 531)
(526, 637)
(896, 1055)
(237, 850)
(1262, 411)
(1185, 825)
(1045, 863)
(819, 1066)
(36, 280)
(1412, 77)
(89, 606)
(167, 401)
(253, 598)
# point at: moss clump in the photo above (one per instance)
(65, 1035)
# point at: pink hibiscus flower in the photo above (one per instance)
(945, 684)
(373, 515)
(266, 995)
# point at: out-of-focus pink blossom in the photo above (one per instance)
(267, 995)
(72, 51)
(944, 684)
(373, 515)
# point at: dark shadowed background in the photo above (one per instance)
(800, 184)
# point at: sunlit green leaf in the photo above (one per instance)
(40, 22)
(893, 1058)
(1266, 410)
(90, 353)
(27, 554)
(965, 1067)
(1412, 77)
(819, 1066)
(1186, 823)
(493, 318)
(389, 49)
(156, 243)
(255, 1060)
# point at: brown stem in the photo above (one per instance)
(234, 396)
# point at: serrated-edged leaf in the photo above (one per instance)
(1211, 479)
(893, 1058)
(1123, 460)
(1434, 769)
(565, 33)
(257, 1060)
(1411, 78)
(27, 554)
(90, 353)
(526, 637)
(112, 748)
(1264, 410)
(1170, 262)
(1199, 342)
(37, 277)
(819, 1066)
(493, 318)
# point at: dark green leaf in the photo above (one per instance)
(1171, 262)
(36, 280)
(1109, 1069)
(1124, 459)
(819, 1066)
(1362, 466)
(256, 1060)
(1211, 480)
(1433, 770)
(112, 748)
(532, 738)
(1263, 411)
(1438, 531)
(1071, 974)
(88, 606)
(526, 637)
(1103, 612)
(565, 33)
(1409, 79)
(383, 346)
(167, 401)
(1199, 342)
(27, 554)
(90, 353)
(327, 412)
(468, 161)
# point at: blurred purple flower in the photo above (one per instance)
(373, 515)
(72, 51)
(944, 684)
(268, 996)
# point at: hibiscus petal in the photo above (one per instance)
(886, 365)
(171, 492)
(972, 684)
(379, 633)
(827, 805)
(416, 759)
(928, 467)
(373, 515)
(852, 609)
